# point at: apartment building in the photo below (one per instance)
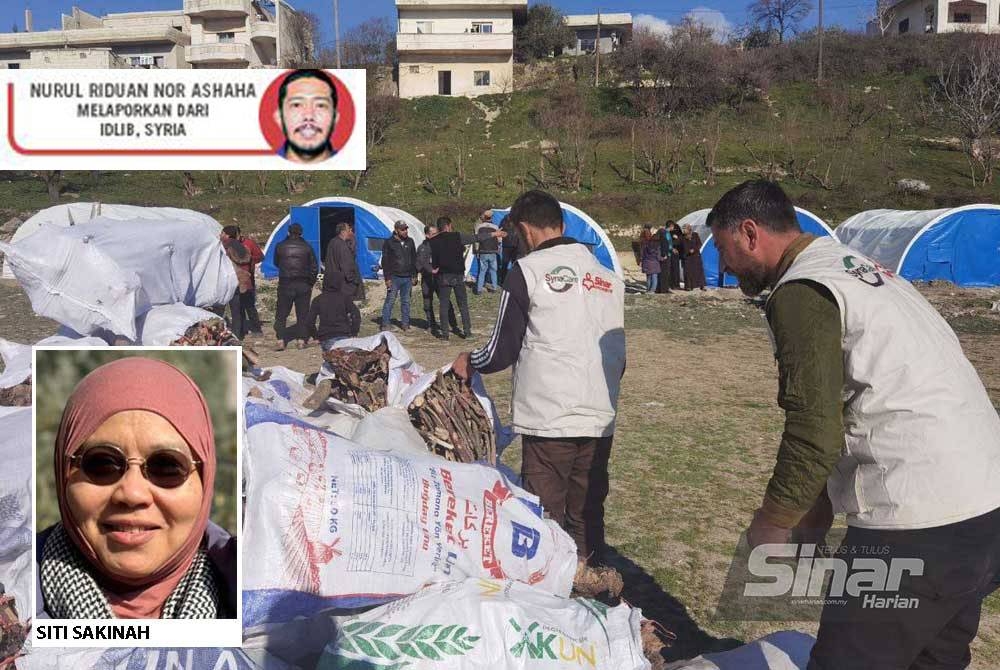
(199, 34)
(940, 16)
(457, 47)
(606, 32)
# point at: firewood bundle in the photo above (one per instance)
(360, 377)
(18, 395)
(452, 421)
(213, 333)
(12, 631)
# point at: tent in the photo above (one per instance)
(82, 212)
(809, 222)
(960, 245)
(581, 227)
(319, 218)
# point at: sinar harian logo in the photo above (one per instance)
(561, 278)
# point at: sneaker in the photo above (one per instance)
(405, 327)
(319, 396)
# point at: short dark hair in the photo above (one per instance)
(443, 221)
(295, 229)
(760, 200)
(306, 74)
(232, 231)
(537, 209)
(341, 227)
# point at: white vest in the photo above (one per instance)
(922, 443)
(567, 376)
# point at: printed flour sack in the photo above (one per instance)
(484, 623)
(335, 525)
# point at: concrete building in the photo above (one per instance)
(614, 30)
(457, 47)
(940, 16)
(200, 34)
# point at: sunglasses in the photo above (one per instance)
(105, 465)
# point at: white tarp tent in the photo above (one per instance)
(77, 213)
(960, 245)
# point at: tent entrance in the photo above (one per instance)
(329, 217)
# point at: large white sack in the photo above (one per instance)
(784, 650)
(17, 363)
(164, 324)
(283, 393)
(334, 524)
(15, 506)
(151, 658)
(108, 273)
(68, 338)
(483, 623)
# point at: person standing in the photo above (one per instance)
(885, 420)
(240, 258)
(677, 238)
(341, 257)
(428, 283)
(297, 270)
(511, 248)
(694, 271)
(487, 252)
(399, 265)
(561, 321)
(650, 255)
(333, 316)
(666, 254)
(448, 261)
(251, 318)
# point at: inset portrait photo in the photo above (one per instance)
(307, 115)
(136, 493)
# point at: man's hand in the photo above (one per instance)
(388, 283)
(816, 523)
(462, 366)
(435, 271)
(763, 531)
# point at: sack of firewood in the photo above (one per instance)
(15, 506)
(368, 372)
(164, 325)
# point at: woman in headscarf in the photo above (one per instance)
(135, 471)
(694, 271)
(650, 255)
(675, 255)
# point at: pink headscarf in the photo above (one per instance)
(136, 383)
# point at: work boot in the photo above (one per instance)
(319, 396)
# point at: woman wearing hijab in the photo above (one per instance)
(694, 271)
(650, 255)
(675, 255)
(135, 470)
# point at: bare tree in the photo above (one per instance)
(968, 96)
(382, 113)
(53, 183)
(883, 15)
(299, 31)
(782, 16)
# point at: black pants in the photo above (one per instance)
(447, 282)
(251, 319)
(961, 566)
(506, 258)
(570, 477)
(296, 292)
(236, 323)
(428, 289)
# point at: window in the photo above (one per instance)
(482, 77)
(227, 38)
(159, 61)
(904, 26)
(587, 46)
(962, 17)
(425, 27)
(480, 27)
(13, 66)
(414, 69)
(134, 61)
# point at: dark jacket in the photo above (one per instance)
(340, 258)
(221, 548)
(513, 246)
(448, 253)
(399, 257)
(487, 245)
(295, 260)
(337, 314)
(425, 265)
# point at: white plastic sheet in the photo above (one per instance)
(784, 650)
(15, 506)
(163, 324)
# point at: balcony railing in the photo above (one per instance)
(217, 7)
(455, 42)
(263, 30)
(235, 52)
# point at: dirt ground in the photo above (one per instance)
(696, 439)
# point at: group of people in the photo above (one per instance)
(663, 253)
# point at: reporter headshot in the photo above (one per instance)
(307, 114)
(135, 472)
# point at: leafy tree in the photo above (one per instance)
(543, 34)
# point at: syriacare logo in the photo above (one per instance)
(873, 579)
(561, 278)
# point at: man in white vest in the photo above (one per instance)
(561, 325)
(885, 421)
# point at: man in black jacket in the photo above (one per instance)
(297, 270)
(428, 283)
(338, 316)
(399, 264)
(487, 253)
(512, 248)
(448, 259)
(341, 257)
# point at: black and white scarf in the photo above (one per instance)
(71, 592)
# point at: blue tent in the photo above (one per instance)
(809, 222)
(960, 245)
(580, 227)
(319, 218)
